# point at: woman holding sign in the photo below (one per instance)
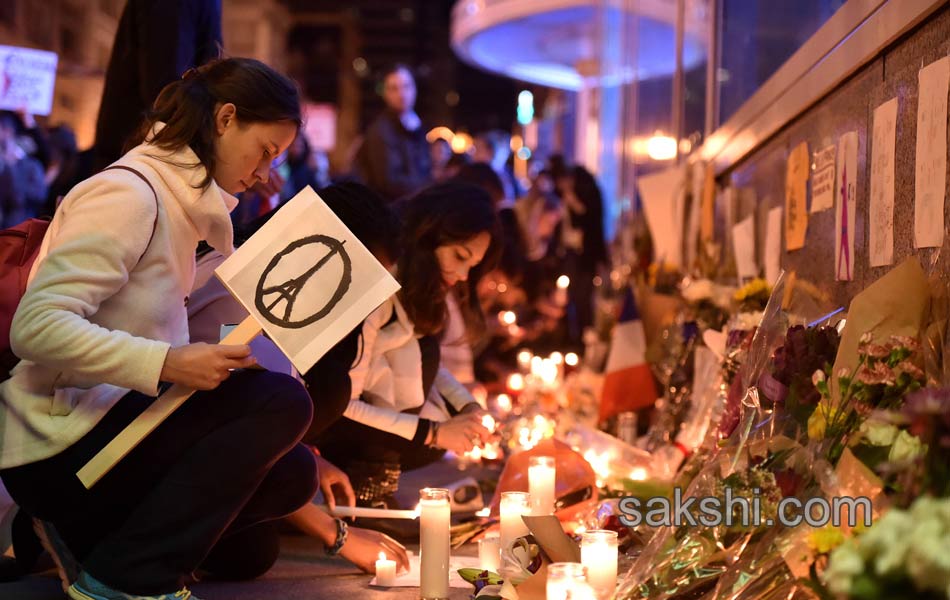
(103, 327)
(405, 410)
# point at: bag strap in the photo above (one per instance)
(154, 193)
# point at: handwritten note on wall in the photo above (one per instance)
(845, 194)
(931, 164)
(743, 243)
(773, 244)
(881, 213)
(796, 182)
(823, 181)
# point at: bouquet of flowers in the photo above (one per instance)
(903, 555)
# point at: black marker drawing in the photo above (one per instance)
(288, 291)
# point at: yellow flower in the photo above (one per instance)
(753, 288)
(818, 421)
(825, 540)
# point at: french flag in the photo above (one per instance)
(628, 383)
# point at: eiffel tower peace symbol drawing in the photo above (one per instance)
(278, 293)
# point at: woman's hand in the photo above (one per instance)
(363, 546)
(462, 433)
(332, 477)
(204, 366)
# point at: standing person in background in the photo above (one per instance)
(494, 147)
(22, 182)
(394, 159)
(441, 152)
(157, 41)
(582, 243)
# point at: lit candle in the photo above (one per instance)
(541, 477)
(571, 359)
(524, 360)
(512, 506)
(489, 552)
(560, 296)
(434, 543)
(507, 317)
(599, 555)
(563, 578)
(503, 402)
(385, 571)
(515, 382)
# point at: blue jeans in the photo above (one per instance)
(226, 460)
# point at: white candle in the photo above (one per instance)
(599, 556)
(541, 477)
(489, 552)
(434, 543)
(512, 506)
(524, 360)
(560, 297)
(385, 571)
(563, 578)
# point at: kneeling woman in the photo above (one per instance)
(405, 410)
(103, 327)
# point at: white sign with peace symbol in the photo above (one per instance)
(306, 279)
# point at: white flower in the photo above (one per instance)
(698, 290)
(817, 377)
(906, 447)
(844, 565)
(928, 562)
(878, 434)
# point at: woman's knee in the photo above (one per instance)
(289, 400)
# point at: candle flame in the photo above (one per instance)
(563, 282)
(571, 359)
(504, 402)
(557, 358)
(638, 474)
(483, 512)
(524, 357)
(382, 556)
(515, 382)
(488, 423)
(508, 317)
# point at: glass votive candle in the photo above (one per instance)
(599, 550)
(563, 579)
(541, 479)
(489, 552)
(512, 507)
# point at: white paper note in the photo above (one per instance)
(743, 243)
(930, 176)
(663, 199)
(695, 212)
(881, 213)
(773, 245)
(846, 204)
(823, 180)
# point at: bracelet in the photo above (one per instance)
(341, 532)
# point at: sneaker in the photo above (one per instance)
(88, 587)
(67, 567)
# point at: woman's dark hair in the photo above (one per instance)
(482, 175)
(592, 222)
(447, 213)
(187, 106)
(367, 215)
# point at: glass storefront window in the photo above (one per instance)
(756, 37)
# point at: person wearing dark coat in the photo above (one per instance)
(394, 159)
(156, 42)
